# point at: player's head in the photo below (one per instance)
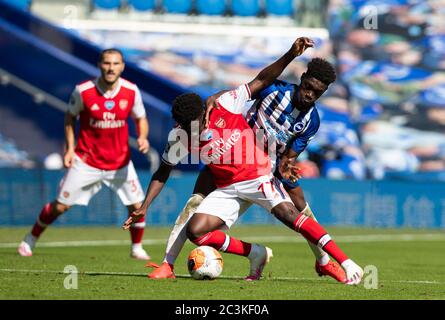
(315, 81)
(186, 108)
(111, 64)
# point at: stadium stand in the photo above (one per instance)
(22, 4)
(211, 7)
(385, 114)
(142, 5)
(177, 6)
(106, 4)
(245, 8)
(279, 7)
(11, 156)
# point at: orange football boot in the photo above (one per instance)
(332, 269)
(164, 271)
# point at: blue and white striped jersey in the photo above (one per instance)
(282, 123)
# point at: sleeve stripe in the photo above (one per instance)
(248, 90)
(166, 162)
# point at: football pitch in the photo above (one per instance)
(400, 264)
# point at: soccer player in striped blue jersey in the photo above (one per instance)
(288, 114)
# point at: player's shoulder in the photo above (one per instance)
(314, 116)
(128, 84)
(85, 85)
(278, 86)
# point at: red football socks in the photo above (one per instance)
(45, 219)
(221, 241)
(137, 231)
(315, 233)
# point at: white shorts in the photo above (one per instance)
(81, 182)
(230, 202)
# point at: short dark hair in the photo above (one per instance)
(186, 108)
(322, 70)
(110, 50)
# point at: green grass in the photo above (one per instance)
(406, 269)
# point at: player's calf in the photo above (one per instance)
(315, 233)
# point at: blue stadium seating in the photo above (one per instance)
(279, 7)
(106, 4)
(211, 7)
(177, 6)
(22, 4)
(246, 8)
(142, 5)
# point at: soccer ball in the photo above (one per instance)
(205, 263)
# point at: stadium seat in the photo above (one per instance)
(279, 7)
(177, 6)
(106, 4)
(211, 7)
(246, 8)
(22, 4)
(142, 5)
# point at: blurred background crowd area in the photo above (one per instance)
(384, 118)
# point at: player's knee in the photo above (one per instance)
(196, 228)
(286, 213)
(193, 231)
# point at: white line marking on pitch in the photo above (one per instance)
(111, 273)
(274, 239)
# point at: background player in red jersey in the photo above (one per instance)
(102, 153)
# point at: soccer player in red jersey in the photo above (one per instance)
(242, 175)
(102, 153)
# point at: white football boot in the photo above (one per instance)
(354, 273)
(137, 252)
(259, 256)
(26, 246)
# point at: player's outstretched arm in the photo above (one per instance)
(270, 73)
(157, 182)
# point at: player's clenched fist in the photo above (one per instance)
(68, 158)
(301, 44)
(143, 145)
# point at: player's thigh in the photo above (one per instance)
(297, 196)
(126, 184)
(266, 191)
(79, 184)
(224, 204)
(204, 183)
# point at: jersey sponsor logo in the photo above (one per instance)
(95, 107)
(109, 122)
(219, 146)
(123, 104)
(220, 123)
(109, 104)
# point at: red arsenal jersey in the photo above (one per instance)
(103, 136)
(229, 146)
